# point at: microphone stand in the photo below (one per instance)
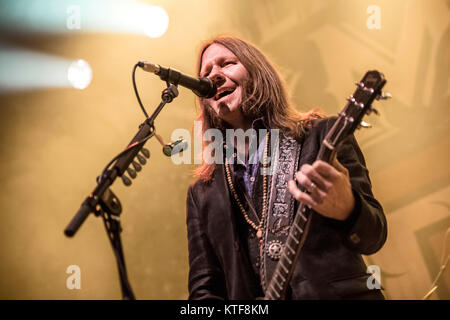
(103, 202)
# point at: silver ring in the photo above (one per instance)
(312, 186)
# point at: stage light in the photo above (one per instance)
(23, 69)
(156, 21)
(73, 16)
(79, 74)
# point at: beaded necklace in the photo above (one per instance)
(258, 228)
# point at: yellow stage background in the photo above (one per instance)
(54, 142)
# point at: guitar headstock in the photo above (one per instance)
(359, 104)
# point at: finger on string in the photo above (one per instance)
(326, 170)
(316, 193)
(314, 176)
(300, 196)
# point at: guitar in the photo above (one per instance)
(349, 119)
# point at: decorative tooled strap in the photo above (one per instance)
(280, 207)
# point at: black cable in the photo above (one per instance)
(125, 151)
(135, 90)
(133, 77)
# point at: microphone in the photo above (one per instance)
(202, 87)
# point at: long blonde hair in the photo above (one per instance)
(264, 96)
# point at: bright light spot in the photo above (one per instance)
(155, 21)
(79, 74)
(119, 16)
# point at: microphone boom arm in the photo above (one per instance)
(103, 202)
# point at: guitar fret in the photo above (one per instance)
(289, 260)
(271, 286)
(303, 217)
(274, 290)
(284, 267)
(278, 294)
(298, 228)
(295, 240)
(279, 285)
(288, 254)
(290, 248)
(281, 276)
(301, 225)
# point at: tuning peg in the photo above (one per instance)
(141, 159)
(384, 96)
(351, 99)
(374, 111)
(126, 181)
(136, 166)
(145, 152)
(360, 84)
(131, 172)
(364, 125)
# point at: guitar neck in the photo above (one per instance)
(282, 275)
(359, 104)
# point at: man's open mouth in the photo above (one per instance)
(224, 93)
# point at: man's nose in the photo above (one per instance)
(216, 76)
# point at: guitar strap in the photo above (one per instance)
(280, 209)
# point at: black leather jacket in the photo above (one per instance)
(330, 266)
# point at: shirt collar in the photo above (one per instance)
(259, 123)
